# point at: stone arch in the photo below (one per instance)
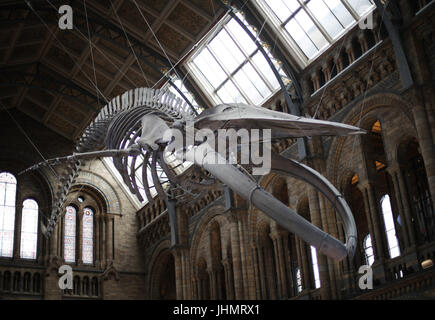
(161, 279)
(104, 188)
(279, 189)
(203, 279)
(201, 229)
(355, 199)
(404, 138)
(362, 113)
(303, 207)
(267, 262)
(217, 253)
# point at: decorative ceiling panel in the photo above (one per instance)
(54, 68)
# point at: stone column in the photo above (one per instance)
(79, 240)
(379, 231)
(109, 228)
(277, 238)
(178, 274)
(235, 249)
(97, 239)
(316, 81)
(241, 223)
(400, 207)
(261, 264)
(229, 284)
(407, 208)
(195, 293)
(102, 240)
(313, 200)
(327, 210)
(350, 53)
(363, 41)
(212, 274)
(53, 241)
(377, 224)
(326, 72)
(17, 229)
(369, 220)
(51, 284)
(338, 62)
(306, 265)
(185, 263)
(256, 273)
(426, 143)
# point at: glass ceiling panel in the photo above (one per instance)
(209, 67)
(314, 24)
(224, 48)
(243, 74)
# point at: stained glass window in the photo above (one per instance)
(70, 234)
(315, 267)
(315, 24)
(387, 212)
(29, 229)
(368, 250)
(88, 236)
(231, 68)
(8, 189)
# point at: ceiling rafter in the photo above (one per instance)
(120, 73)
(77, 68)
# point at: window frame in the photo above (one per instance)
(83, 234)
(206, 87)
(75, 233)
(37, 229)
(367, 257)
(91, 202)
(4, 205)
(295, 51)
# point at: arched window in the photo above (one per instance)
(8, 189)
(315, 267)
(88, 236)
(83, 223)
(29, 229)
(368, 250)
(70, 234)
(387, 212)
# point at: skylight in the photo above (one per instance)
(230, 67)
(311, 26)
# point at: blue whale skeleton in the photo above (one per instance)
(130, 129)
